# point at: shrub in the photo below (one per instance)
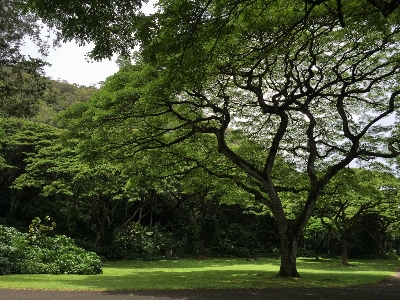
(20, 254)
(392, 254)
(37, 230)
(4, 266)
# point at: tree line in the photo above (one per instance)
(264, 105)
(162, 204)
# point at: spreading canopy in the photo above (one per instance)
(119, 26)
(309, 85)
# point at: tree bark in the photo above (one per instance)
(381, 244)
(289, 241)
(15, 196)
(344, 250)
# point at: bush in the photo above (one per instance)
(392, 254)
(19, 254)
(4, 266)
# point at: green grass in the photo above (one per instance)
(210, 274)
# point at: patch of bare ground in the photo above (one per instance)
(394, 280)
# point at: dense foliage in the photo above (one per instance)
(36, 253)
(58, 96)
(21, 78)
(254, 106)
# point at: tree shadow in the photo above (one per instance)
(186, 263)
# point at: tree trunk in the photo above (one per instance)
(382, 247)
(382, 243)
(288, 254)
(328, 246)
(15, 196)
(344, 250)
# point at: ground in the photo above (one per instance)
(388, 289)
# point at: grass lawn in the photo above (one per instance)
(210, 274)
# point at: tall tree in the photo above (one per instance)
(21, 77)
(21, 139)
(288, 74)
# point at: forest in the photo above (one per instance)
(238, 129)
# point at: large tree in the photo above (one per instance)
(118, 26)
(310, 86)
(21, 77)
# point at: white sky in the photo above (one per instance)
(69, 63)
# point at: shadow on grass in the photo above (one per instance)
(187, 263)
(209, 274)
(189, 280)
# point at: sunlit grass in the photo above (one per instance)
(210, 274)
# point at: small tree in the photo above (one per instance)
(21, 78)
(317, 232)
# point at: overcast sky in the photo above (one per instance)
(69, 63)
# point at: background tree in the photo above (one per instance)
(21, 77)
(57, 97)
(382, 227)
(83, 196)
(317, 232)
(22, 138)
(358, 195)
